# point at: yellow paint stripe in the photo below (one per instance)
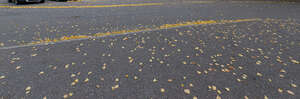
(90, 6)
(164, 26)
(134, 5)
(106, 6)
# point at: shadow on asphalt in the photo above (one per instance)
(35, 3)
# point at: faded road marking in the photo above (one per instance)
(5, 5)
(47, 41)
(134, 5)
(87, 6)
(108, 6)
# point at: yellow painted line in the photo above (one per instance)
(133, 5)
(87, 6)
(107, 6)
(164, 26)
(47, 41)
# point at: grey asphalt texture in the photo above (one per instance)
(243, 60)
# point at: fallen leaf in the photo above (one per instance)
(187, 91)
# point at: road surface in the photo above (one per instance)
(150, 49)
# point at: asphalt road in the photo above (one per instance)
(150, 49)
